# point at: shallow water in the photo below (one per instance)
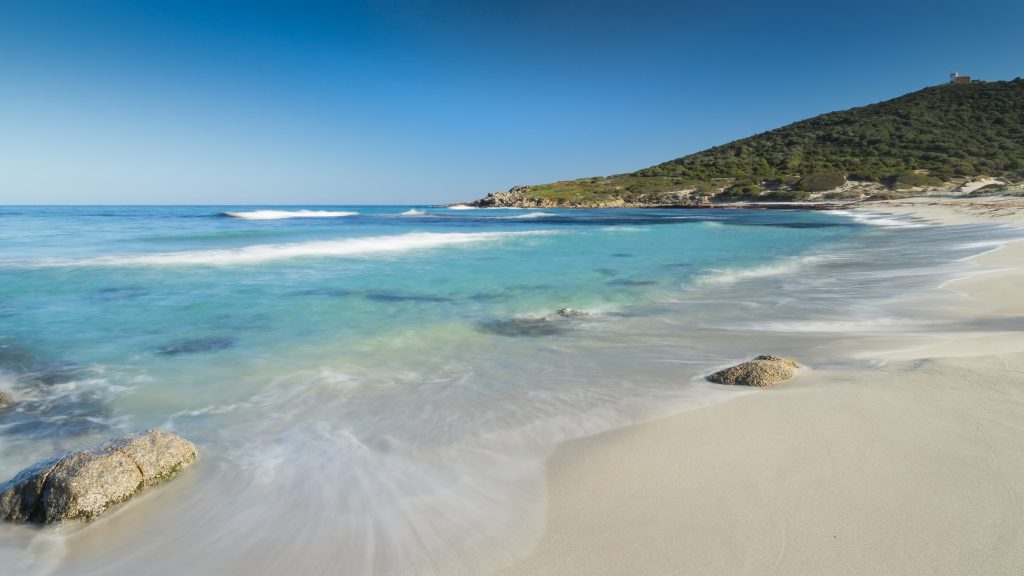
(374, 389)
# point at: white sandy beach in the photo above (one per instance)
(914, 467)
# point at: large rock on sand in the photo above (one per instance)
(83, 485)
(763, 371)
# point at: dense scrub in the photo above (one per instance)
(952, 129)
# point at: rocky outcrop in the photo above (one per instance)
(557, 322)
(762, 372)
(82, 485)
(569, 313)
(522, 197)
(516, 197)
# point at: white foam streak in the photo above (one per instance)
(348, 247)
(413, 212)
(284, 214)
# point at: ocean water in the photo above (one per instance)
(375, 389)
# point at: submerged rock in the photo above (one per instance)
(627, 282)
(523, 327)
(550, 325)
(83, 485)
(399, 297)
(197, 346)
(763, 372)
(14, 358)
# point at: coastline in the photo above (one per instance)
(910, 467)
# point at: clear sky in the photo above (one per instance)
(397, 101)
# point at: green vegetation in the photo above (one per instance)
(741, 191)
(822, 181)
(905, 180)
(920, 139)
(962, 129)
(623, 186)
(785, 196)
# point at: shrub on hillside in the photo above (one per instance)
(743, 190)
(914, 180)
(786, 196)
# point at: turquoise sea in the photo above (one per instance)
(374, 389)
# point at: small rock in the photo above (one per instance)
(570, 313)
(83, 485)
(763, 372)
(5, 399)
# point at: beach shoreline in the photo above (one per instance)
(910, 467)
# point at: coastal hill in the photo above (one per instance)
(943, 137)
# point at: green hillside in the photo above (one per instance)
(919, 139)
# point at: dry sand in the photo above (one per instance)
(916, 467)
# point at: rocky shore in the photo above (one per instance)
(844, 196)
(83, 485)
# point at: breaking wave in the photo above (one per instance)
(348, 247)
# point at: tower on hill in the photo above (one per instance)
(955, 78)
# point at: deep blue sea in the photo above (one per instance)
(374, 389)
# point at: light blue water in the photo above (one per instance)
(374, 390)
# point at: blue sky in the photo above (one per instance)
(418, 102)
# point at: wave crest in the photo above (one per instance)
(284, 214)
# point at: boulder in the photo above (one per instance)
(763, 372)
(82, 485)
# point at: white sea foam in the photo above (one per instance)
(347, 247)
(413, 212)
(781, 267)
(877, 219)
(462, 207)
(627, 229)
(528, 216)
(850, 326)
(284, 214)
